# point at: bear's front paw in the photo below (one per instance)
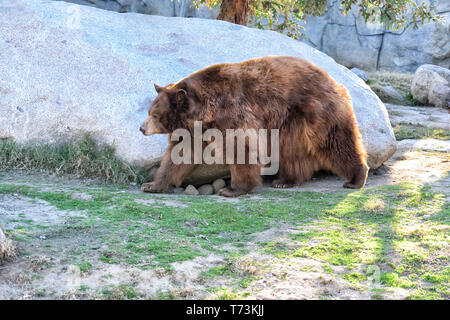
(152, 187)
(228, 192)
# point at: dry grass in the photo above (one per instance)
(7, 250)
(245, 266)
(405, 131)
(375, 205)
(82, 158)
(399, 81)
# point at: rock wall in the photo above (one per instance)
(353, 43)
(168, 8)
(347, 39)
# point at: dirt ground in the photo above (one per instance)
(41, 271)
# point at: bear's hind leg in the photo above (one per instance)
(343, 154)
(244, 177)
(293, 172)
(358, 180)
(351, 169)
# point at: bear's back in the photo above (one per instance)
(268, 91)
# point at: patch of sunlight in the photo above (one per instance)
(414, 231)
(432, 144)
(412, 251)
(351, 203)
(375, 205)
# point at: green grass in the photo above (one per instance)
(120, 292)
(164, 296)
(354, 277)
(80, 158)
(83, 288)
(85, 266)
(399, 81)
(135, 231)
(407, 131)
(354, 234)
(382, 227)
(218, 271)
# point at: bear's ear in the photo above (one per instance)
(180, 97)
(158, 88)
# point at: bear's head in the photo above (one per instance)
(166, 112)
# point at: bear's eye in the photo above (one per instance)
(155, 116)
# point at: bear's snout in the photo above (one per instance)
(142, 130)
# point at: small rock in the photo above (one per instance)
(82, 196)
(206, 189)
(42, 237)
(439, 93)
(178, 190)
(393, 93)
(359, 73)
(191, 190)
(218, 184)
(426, 216)
(431, 85)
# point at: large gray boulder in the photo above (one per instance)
(354, 43)
(431, 85)
(67, 70)
(168, 8)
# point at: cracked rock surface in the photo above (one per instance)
(353, 43)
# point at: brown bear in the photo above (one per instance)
(316, 122)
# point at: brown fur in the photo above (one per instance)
(318, 128)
